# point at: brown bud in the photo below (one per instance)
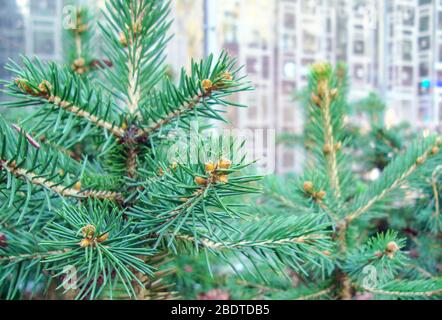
(321, 69)
(392, 247)
(77, 186)
(103, 237)
(210, 167)
(227, 76)
(207, 84)
(338, 146)
(435, 150)
(45, 86)
(85, 243)
(327, 253)
(200, 181)
(316, 100)
(64, 104)
(420, 160)
(160, 172)
(23, 85)
(88, 231)
(82, 28)
(123, 39)
(81, 70)
(224, 163)
(327, 149)
(137, 27)
(322, 87)
(308, 186)
(80, 62)
(320, 195)
(57, 100)
(224, 178)
(12, 164)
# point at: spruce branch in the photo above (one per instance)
(135, 34)
(197, 95)
(192, 191)
(79, 44)
(409, 289)
(100, 248)
(395, 175)
(299, 242)
(434, 185)
(319, 294)
(325, 110)
(56, 187)
(382, 253)
(52, 88)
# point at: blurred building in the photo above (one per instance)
(393, 47)
(30, 27)
(398, 55)
(429, 55)
(12, 33)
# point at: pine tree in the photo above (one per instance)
(368, 259)
(108, 219)
(386, 230)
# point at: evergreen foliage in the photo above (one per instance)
(366, 258)
(385, 230)
(95, 200)
(98, 200)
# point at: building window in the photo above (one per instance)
(310, 42)
(289, 70)
(424, 24)
(44, 43)
(359, 47)
(265, 67)
(288, 159)
(424, 43)
(440, 53)
(408, 16)
(407, 51)
(439, 20)
(423, 69)
(43, 7)
(288, 42)
(289, 21)
(407, 76)
(424, 2)
(440, 111)
(359, 72)
(252, 65)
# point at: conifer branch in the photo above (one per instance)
(434, 185)
(78, 111)
(63, 90)
(207, 243)
(134, 87)
(409, 294)
(56, 187)
(330, 144)
(174, 115)
(319, 294)
(31, 256)
(418, 158)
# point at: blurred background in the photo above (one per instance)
(392, 48)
